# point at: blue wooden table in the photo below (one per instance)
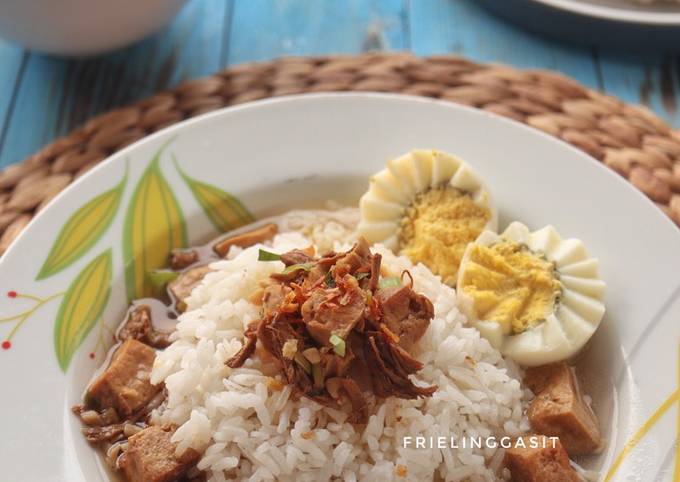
(43, 97)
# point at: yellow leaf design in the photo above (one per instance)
(83, 229)
(81, 307)
(225, 211)
(154, 226)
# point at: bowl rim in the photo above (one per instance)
(326, 95)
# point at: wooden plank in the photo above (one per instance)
(463, 27)
(262, 29)
(650, 79)
(56, 95)
(11, 61)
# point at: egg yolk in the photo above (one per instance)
(438, 226)
(510, 285)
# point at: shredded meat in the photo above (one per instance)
(336, 337)
(247, 350)
(334, 310)
(319, 273)
(108, 433)
(393, 369)
(288, 276)
(358, 257)
(357, 399)
(139, 326)
(406, 313)
(375, 272)
(297, 256)
(274, 296)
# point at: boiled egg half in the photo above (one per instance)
(536, 297)
(427, 205)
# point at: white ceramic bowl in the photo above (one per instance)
(297, 152)
(82, 27)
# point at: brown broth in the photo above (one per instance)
(165, 313)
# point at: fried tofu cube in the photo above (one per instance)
(150, 457)
(125, 385)
(558, 410)
(539, 459)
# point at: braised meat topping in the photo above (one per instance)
(327, 320)
(406, 313)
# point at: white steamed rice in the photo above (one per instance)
(248, 431)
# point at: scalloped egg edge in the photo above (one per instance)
(393, 189)
(573, 320)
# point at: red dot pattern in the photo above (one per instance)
(12, 294)
(6, 345)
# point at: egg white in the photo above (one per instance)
(392, 190)
(574, 317)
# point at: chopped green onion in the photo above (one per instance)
(360, 276)
(317, 374)
(303, 362)
(295, 267)
(389, 282)
(268, 256)
(339, 346)
(159, 279)
(330, 281)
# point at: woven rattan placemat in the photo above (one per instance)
(629, 139)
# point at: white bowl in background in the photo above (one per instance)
(82, 27)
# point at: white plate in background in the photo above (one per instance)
(614, 23)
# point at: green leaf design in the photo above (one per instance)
(154, 226)
(225, 211)
(81, 307)
(83, 229)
